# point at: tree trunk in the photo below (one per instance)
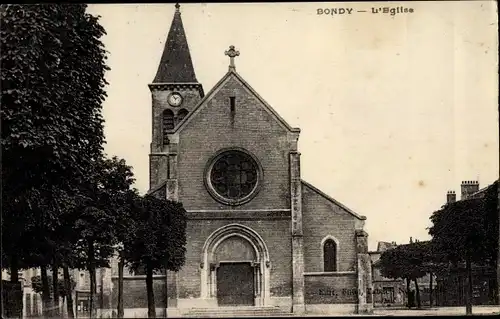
(149, 288)
(46, 304)
(69, 292)
(14, 268)
(417, 291)
(431, 298)
(101, 292)
(408, 293)
(468, 286)
(93, 281)
(55, 287)
(92, 293)
(120, 288)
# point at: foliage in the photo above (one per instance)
(157, 240)
(159, 237)
(52, 83)
(466, 232)
(491, 223)
(102, 210)
(433, 260)
(101, 215)
(468, 228)
(36, 284)
(404, 261)
(52, 87)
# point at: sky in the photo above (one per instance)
(394, 110)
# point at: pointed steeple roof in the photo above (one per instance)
(175, 64)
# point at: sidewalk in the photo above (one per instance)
(439, 311)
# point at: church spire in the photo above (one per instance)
(175, 64)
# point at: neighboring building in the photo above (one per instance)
(258, 235)
(451, 289)
(32, 301)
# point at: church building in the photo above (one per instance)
(259, 237)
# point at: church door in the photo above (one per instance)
(235, 284)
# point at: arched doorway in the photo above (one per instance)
(235, 267)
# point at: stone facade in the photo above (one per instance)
(278, 226)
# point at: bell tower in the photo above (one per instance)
(175, 92)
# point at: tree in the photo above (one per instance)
(68, 287)
(89, 221)
(434, 263)
(53, 66)
(52, 87)
(102, 216)
(404, 262)
(43, 240)
(124, 233)
(158, 241)
(466, 232)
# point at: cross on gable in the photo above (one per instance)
(232, 53)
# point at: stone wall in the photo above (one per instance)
(135, 294)
(171, 289)
(250, 127)
(276, 235)
(334, 288)
(322, 218)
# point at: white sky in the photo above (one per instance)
(394, 110)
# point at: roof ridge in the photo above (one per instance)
(176, 65)
(271, 110)
(347, 209)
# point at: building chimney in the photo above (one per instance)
(468, 188)
(451, 197)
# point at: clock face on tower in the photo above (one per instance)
(175, 99)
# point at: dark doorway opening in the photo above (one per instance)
(235, 284)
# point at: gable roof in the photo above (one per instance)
(176, 65)
(334, 201)
(215, 89)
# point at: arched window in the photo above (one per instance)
(168, 120)
(181, 115)
(329, 255)
(168, 124)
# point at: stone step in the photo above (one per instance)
(237, 312)
(233, 315)
(236, 315)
